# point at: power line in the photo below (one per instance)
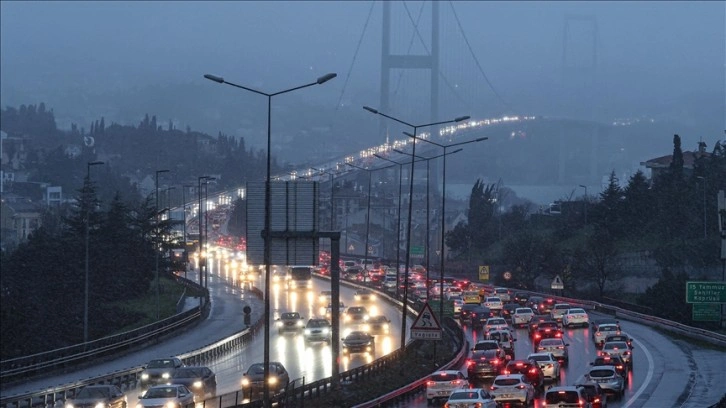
(476, 60)
(355, 55)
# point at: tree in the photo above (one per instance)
(527, 253)
(597, 259)
(606, 213)
(637, 204)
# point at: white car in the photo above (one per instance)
(493, 303)
(472, 397)
(174, 395)
(512, 388)
(503, 294)
(390, 283)
(458, 303)
(442, 383)
(604, 330)
(557, 347)
(522, 316)
(547, 363)
(575, 317)
(558, 310)
(495, 323)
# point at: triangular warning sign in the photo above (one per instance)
(426, 319)
(557, 280)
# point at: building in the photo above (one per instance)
(659, 164)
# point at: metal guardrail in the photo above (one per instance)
(22, 368)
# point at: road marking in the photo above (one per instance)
(578, 339)
(647, 377)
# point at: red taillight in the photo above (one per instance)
(547, 330)
(495, 362)
(627, 353)
(561, 347)
(558, 335)
(537, 336)
(619, 367)
(520, 364)
(598, 333)
(469, 362)
(507, 372)
(477, 405)
(430, 383)
(520, 386)
(493, 387)
(533, 371)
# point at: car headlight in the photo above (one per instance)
(272, 380)
(385, 326)
(307, 332)
(245, 382)
(347, 318)
(372, 296)
(278, 323)
(101, 405)
(171, 404)
(326, 330)
(366, 327)
(197, 384)
(365, 317)
(69, 405)
(144, 376)
(139, 405)
(357, 297)
(165, 376)
(300, 323)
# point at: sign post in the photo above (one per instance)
(484, 273)
(426, 326)
(705, 292)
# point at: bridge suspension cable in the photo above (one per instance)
(355, 55)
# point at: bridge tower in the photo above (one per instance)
(580, 94)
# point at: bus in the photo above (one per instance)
(299, 277)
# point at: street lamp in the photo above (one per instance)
(87, 186)
(428, 217)
(156, 247)
(266, 233)
(202, 230)
(443, 215)
(587, 199)
(705, 233)
(410, 207)
(184, 228)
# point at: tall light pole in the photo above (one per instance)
(428, 217)
(158, 232)
(200, 222)
(266, 233)
(587, 199)
(87, 183)
(705, 232)
(184, 228)
(410, 207)
(443, 215)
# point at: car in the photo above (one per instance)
(521, 298)
(458, 304)
(546, 330)
(566, 397)
(609, 380)
(106, 396)
(471, 296)
(490, 345)
(508, 310)
(534, 303)
(359, 342)
(175, 395)
(329, 309)
(378, 325)
(575, 317)
(548, 364)
(290, 321)
(536, 321)
(529, 369)
(503, 294)
(620, 337)
(495, 323)
(557, 347)
(546, 305)
(558, 310)
(512, 388)
(441, 384)
(389, 283)
(318, 329)
(363, 294)
(620, 348)
(325, 296)
(472, 397)
(253, 380)
(616, 361)
(505, 340)
(356, 315)
(593, 393)
(476, 315)
(158, 371)
(600, 329)
(493, 303)
(200, 380)
(483, 364)
(522, 316)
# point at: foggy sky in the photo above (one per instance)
(650, 54)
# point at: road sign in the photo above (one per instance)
(706, 312)
(426, 326)
(705, 292)
(448, 307)
(484, 273)
(557, 283)
(417, 250)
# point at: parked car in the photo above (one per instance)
(175, 395)
(106, 396)
(158, 371)
(200, 380)
(253, 379)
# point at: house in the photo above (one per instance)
(659, 164)
(18, 219)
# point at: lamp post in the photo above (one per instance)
(87, 186)
(587, 199)
(156, 247)
(443, 215)
(427, 160)
(705, 233)
(410, 207)
(184, 227)
(266, 233)
(200, 222)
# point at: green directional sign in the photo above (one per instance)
(448, 307)
(417, 250)
(705, 292)
(706, 312)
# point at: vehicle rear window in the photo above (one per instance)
(505, 382)
(460, 395)
(539, 358)
(616, 345)
(555, 397)
(443, 377)
(601, 373)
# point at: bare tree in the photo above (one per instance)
(597, 260)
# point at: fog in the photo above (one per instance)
(121, 60)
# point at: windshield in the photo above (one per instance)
(506, 382)
(486, 345)
(290, 315)
(524, 311)
(550, 342)
(301, 272)
(318, 323)
(94, 392)
(541, 357)
(188, 372)
(615, 345)
(160, 392)
(160, 364)
(464, 395)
